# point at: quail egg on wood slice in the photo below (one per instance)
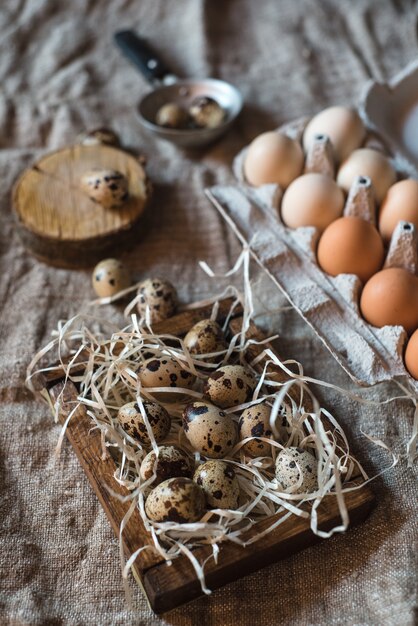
(176, 500)
(297, 470)
(109, 277)
(209, 430)
(230, 385)
(255, 422)
(132, 421)
(165, 372)
(171, 462)
(220, 484)
(205, 337)
(158, 298)
(107, 187)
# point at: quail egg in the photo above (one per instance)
(132, 421)
(165, 372)
(209, 430)
(106, 187)
(255, 422)
(98, 136)
(109, 277)
(171, 115)
(171, 463)
(158, 297)
(206, 112)
(297, 470)
(176, 500)
(205, 337)
(229, 385)
(220, 484)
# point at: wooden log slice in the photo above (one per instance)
(60, 224)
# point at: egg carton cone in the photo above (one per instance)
(328, 304)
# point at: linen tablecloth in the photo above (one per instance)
(59, 74)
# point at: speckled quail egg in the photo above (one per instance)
(171, 115)
(229, 385)
(206, 112)
(157, 296)
(209, 430)
(165, 372)
(294, 465)
(109, 277)
(255, 422)
(176, 500)
(171, 463)
(132, 421)
(98, 136)
(205, 337)
(107, 187)
(220, 484)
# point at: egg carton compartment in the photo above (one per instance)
(328, 304)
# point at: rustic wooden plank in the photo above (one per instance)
(171, 586)
(167, 587)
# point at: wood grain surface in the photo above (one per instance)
(56, 218)
(170, 586)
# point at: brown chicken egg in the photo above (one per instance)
(220, 484)
(176, 500)
(170, 463)
(165, 372)
(371, 163)
(400, 203)
(411, 355)
(229, 385)
(342, 125)
(390, 297)
(209, 430)
(255, 421)
(351, 245)
(312, 200)
(273, 158)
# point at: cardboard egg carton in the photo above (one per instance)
(328, 304)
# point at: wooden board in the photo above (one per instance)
(167, 587)
(57, 220)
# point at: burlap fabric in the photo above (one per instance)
(60, 73)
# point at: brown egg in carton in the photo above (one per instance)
(329, 304)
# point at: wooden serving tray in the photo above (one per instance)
(167, 587)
